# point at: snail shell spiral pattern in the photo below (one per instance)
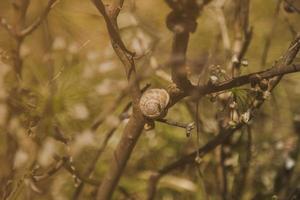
(153, 103)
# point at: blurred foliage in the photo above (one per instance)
(71, 76)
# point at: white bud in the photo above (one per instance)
(289, 163)
(244, 63)
(245, 117)
(266, 95)
(213, 79)
(233, 105)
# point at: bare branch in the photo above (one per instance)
(182, 21)
(110, 20)
(69, 167)
(99, 120)
(291, 7)
(227, 132)
(245, 159)
(269, 37)
(242, 34)
(108, 135)
(246, 79)
(224, 173)
(136, 122)
(187, 126)
(8, 27)
(28, 30)
(52, 171)
(190, 158)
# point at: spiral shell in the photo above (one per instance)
(153, 103)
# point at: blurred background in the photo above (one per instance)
(73, 91)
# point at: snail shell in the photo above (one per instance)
(153, 103)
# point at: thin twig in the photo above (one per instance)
(224, 173)
(187, 126)
(246, 79)
(8, 27)
(190, 158)
(59, 164)
(245, 159)
(70, 168)
(242, 35)
(270, 35)
(292, 6)
(225, 133)
(29, 29)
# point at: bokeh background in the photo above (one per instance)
(72, 78)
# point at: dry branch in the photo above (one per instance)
(28, 30)
(282, 67)
(136, 122)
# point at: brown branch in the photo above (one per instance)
(219, 12)
(107, 137)
(111, 24)
(224, 173)
(182, 21)
(225, 133)
(29, 29)
(190, 158)
(99, 120)
(295, 194)
(190, 107)
(19, 14)
(59, 164)
(135, 125)
(177, 61)
(291, 7)
(292, 29)
(120, 156)
(17, 30)
(173, 123)
(242, 34)
(281, 67)
(136, 122)
(284, 180)
(70, 168)
(270, 35)
(246, 79)
(8, 27)
(92, 166)
(245, 159)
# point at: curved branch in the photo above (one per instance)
(136, 122)
(28, 30)
(246, 79)
(278, 71)
(187, 159)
